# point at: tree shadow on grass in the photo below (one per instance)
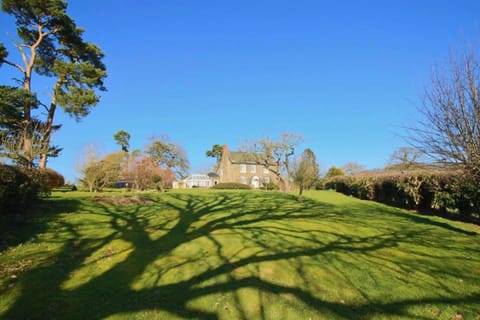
(190, 248)
(19, 227)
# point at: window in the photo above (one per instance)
(243, 168)
(243, 180)
(267, 179)
(265, 170)
(253, 168)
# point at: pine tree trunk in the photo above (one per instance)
(47, 132)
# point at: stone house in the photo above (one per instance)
(239, 167)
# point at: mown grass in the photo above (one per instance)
(236, 255)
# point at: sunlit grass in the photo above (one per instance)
(236, 255)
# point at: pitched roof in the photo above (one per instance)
(243, 157)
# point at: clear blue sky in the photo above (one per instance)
(345, 74)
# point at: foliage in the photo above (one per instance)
(100, 173)
(170, 155)
(143, 173)
(306, 171)
(54, 178)
(50, 44)
(270, 186)
(122, 138)
(231, 185)
(216, 152)
(20, 187)
(334, 171)
(14, 130)
(216, 254)
(431, 191)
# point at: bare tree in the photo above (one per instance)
(450, 129)
(275, 155)
(405, 158)
(352, 168)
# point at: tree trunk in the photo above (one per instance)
(47, 133)
(27, 121)
(286, 186)
(300, 193)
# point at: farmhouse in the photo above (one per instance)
(240, 167)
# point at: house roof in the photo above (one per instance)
(243, 157)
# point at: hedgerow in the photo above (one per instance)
(20, 187)
(439, 191)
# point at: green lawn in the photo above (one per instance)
(236, 255)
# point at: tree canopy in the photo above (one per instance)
(122, 138)
(306, 171)
(50, 44)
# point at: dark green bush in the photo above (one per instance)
(20, 187)
(230, 185)
(443, 191)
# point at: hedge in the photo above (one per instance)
(20, 187)
(442, 191)
(230, 185)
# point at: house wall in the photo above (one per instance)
(233, 172)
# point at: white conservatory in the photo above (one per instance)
(198, 181)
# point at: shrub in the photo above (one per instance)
(54, 179)
(20, 187)
(270, 186)
(442, 191)
(230, 185)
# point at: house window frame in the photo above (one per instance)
(253, 168)
(243, 168)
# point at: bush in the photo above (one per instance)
(270, 186)
(20, 187)
(441, 191)
(54, 179)
(230, 185)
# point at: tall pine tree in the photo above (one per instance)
(51, 45)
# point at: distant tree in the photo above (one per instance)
(405, 158)
(334, 172)
(123, 140)
(216, 152)
(275, 155)
(306, 171)
(352, 168)
(449, 131)
(144, 173)
(170, 155)
(100, 173)
(51, 45)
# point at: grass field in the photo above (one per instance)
(236, 255)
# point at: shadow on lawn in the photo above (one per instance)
(19, 227)
(263, 223)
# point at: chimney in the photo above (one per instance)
(225, 149)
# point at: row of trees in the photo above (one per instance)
(49, 45)
(157, 166)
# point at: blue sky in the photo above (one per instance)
(347, 75)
